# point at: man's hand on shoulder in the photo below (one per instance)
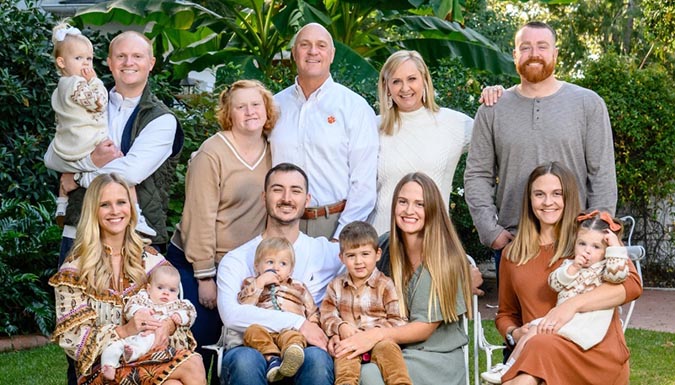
(314, 335)
(490, 95)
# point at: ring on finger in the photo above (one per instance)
(143, 324)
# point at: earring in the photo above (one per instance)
(424, 96)
(390, 102)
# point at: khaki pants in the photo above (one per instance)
(270, 343)
(386, 355)
(320, 227)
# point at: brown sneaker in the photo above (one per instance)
(291, 360)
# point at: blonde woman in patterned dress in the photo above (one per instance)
(109, 263)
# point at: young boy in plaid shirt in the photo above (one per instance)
(361, 299)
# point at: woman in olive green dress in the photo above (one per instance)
(426, 260)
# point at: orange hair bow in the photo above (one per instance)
(604, 216)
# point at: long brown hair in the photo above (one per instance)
(442, 253)
(526, 246)
(88, 250)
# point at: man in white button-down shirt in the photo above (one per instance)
(139, 125)
(330, 132)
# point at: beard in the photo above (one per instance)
(272, 215)
(536, 75)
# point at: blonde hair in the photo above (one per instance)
(224, 110)
(166, 270)
(70, 35)
(390, 117)
(442, 253)
(90, 253)
(525, 246)
(273, 245)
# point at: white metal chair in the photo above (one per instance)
(480, 343)
(219, 349)
(636, 254)
(465, 324)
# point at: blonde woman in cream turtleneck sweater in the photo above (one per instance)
(416, 135)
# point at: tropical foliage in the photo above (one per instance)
(254, 34)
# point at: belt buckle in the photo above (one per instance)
(311, 213)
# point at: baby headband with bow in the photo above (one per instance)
(62, 33)
(604, 216)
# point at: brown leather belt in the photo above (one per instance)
(324, 211)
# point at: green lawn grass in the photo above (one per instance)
(652, 360)
(652, 355)
(45, 366)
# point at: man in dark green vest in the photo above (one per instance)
(143, 128)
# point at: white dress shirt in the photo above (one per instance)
(332, 136)
(150, 148)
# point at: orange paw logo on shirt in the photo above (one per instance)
(331, 119)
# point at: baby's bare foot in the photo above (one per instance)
(108, 372)
(128, 351)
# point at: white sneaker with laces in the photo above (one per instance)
(494, 375)
(61, 205)
(143, 227)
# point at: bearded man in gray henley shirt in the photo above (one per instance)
(540, 120)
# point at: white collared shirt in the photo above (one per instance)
(150, 148)
(332, 136)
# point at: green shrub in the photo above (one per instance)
(29, 245)
(27, 76)
(641, 105)
(197, 116)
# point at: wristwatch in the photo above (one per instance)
(510, 341)
(77, 177)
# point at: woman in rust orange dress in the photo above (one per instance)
(545, 237)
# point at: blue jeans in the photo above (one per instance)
(246, 366)
(207, 326)
(497, 255)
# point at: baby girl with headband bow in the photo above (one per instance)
(79, 102)
(598, 257)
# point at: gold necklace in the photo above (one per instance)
(117, 284)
